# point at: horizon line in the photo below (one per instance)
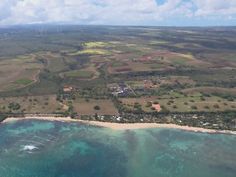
(107, 25)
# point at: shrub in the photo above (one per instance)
(152, 108)
(203, 99)
(175, 107)
(149, 104)
(14, 106)
(194, 107)
(97, 107)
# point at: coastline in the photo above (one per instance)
(123, 126)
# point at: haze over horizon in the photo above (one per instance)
(122, 12)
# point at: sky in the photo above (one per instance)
(119, 12)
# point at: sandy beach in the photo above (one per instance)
(123, 126)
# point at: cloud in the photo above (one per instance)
(215, 7)
(118, 12)
(5, 8)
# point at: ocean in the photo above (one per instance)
(56, 149)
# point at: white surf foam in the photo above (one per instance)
(29, 148)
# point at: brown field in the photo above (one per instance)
(129, 102)
(172, 58)
(83, 107)
(221, 60)
(154, 61)
(33, 104)
(179, 79)
(55, 62)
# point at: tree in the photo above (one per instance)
(194, 107)
(2, 117)
(137, 105)
(14, 106)
(97, 107)
(203, 99)
(149, 104)
(175, 107)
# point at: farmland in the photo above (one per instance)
(18, 72)
(72, 70)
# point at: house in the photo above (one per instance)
(148, 84)
(157, 107)
(67, 89)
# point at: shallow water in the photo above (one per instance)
(56, 149)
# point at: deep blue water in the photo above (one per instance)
(56, 149)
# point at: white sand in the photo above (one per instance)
(123, 126)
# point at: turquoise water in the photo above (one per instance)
(56, 149)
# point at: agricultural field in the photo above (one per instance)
(177, 69)
(18, 72)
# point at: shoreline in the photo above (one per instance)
(123, 126)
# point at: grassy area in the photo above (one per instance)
(158, 42)
(80, 74)
(182, 104)
(87, 107)
(95, 44)
(32, 104)
(24, 81)
(90, 52)
(55, 62)
(179, 61)
(211, 90)
(196, 104)
(118, 64)
(16, 73)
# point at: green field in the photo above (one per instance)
(89, 52)
(23, 81)
(79, 74)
